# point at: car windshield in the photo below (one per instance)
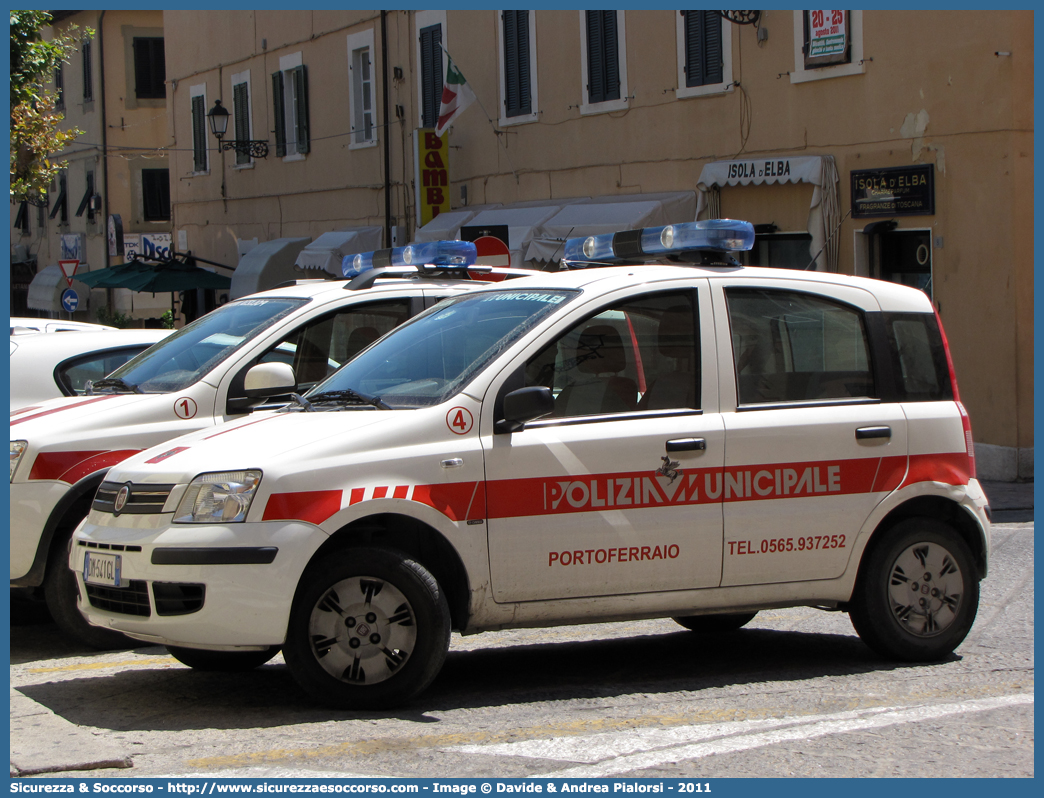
(432, 357)
(189, 354)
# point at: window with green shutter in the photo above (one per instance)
(150, 70)
(155, 194)
(517, 99)
(88, 71)
(703, 56)
(302, 136)
(199, 133)
(241, 114)
(603, 57)
(431, 74)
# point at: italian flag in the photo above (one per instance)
(456, 96)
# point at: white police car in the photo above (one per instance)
(674, 437)
(215, 369)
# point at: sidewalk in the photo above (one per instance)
(1010, 502)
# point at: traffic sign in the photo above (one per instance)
(70, 300)
(492, 251)
(69, 268)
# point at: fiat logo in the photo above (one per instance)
(121, 499)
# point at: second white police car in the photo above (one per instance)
(218, 368)
(677, 436)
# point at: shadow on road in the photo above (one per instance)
(174, 698)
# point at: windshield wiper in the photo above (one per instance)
(348, 396)
(110, 382)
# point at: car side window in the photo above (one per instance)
(634, 356)
(72, 375)
(323, 345)
(795, 347)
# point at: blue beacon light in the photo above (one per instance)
(439, 254)
(709, 235)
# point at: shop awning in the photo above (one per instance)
(446, 226)
(824, 214)
(329, 249)
(156, 277)
(609, 214)
(522, 220)
(267, 265)
(47, 287)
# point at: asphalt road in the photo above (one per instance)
(794, 694)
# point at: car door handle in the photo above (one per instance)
(866, 433)
(687, 445)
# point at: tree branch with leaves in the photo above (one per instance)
(36, 135)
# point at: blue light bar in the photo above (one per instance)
(442, 254)
(717, 235)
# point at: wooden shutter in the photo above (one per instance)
(431, 75)
(299, 75)
(155, 189)
(279, 109)
(61, 202)
(88, 77)
(241, 110)
(517, 100)
(603, 57)
(703, 55)
(199, 134)
(150, 71)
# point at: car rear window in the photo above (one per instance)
(918, 357)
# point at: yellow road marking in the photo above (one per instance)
(97, 666)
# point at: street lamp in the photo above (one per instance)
(218, 116)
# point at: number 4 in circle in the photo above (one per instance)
(460, 421)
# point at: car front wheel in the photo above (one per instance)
(917, 593)
(369, 629)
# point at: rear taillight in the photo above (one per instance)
(969, 443)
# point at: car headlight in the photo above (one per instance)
(17, 449)
(219, 498)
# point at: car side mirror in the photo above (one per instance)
(269, 379)
(523, 406)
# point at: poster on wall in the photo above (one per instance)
(147, 245)
(827, 34)
(74, 247)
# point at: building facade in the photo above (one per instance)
(114, 90)
(889, 144)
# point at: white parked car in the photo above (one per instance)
(218, 368)
(22, 325)
(675, 437)
(46, 367)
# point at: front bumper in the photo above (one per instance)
(198, 586)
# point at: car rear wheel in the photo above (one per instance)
(715, 624)
(369, 628)
(222, 661)
(917, 593)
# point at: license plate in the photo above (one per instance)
(102, 569)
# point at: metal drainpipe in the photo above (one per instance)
(387, 130)
(105, 150)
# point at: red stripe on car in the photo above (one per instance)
(60, 409)
(313, 506)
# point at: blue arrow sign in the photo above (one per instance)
(70, 300)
